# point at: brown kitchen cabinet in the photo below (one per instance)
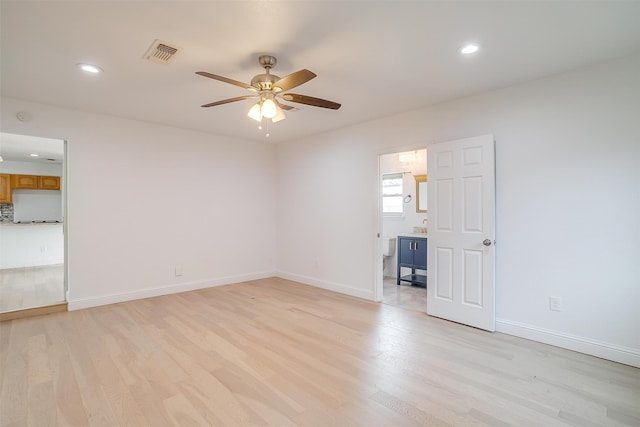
(5, 188)
(49, 182)
(35, 182)
(24, 182)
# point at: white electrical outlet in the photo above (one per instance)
(178, 270)
(555, 303)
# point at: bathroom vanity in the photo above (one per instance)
(412, 254)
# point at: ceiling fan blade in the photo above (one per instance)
(310, 100)
(226, 80)
(285, 106)
(293, 80)
(226, 101)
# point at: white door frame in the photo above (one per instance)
(65, 217)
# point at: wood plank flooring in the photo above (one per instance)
(22, 288)
(36, 311)
(275, 352)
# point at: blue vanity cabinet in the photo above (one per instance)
(412, 253)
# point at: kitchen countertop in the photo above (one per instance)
(15, 224)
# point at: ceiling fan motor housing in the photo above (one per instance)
(267, 61)
(264, 81)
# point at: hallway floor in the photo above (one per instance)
(29, 287)
(404, 296)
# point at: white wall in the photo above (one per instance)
(144, 198)
(568, 203)
(29, 245)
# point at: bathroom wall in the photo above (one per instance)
(393, 225)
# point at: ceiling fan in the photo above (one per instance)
(268, 90)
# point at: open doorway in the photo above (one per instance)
(404, 218)
(32, 208)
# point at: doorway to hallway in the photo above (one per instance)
(32, 208)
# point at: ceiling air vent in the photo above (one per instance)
(161, 52)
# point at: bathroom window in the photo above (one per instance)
(392, 194)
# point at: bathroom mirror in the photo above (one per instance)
(421, 193)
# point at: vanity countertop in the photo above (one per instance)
(423, 235)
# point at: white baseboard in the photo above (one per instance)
(625, 355)
(164, 290)
(331, 286)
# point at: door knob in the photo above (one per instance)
(486, 242)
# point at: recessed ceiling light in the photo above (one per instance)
(469, 49)
(90, 68)
(34, 155)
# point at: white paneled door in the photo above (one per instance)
(461, 254)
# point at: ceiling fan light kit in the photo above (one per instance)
(268, 90)
(255, 112)
(268, 108)
(279, 114)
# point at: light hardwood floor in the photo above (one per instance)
(404, 296)
(22, 288)
(275, 352)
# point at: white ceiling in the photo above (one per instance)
(19, 148)
(376, 58)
